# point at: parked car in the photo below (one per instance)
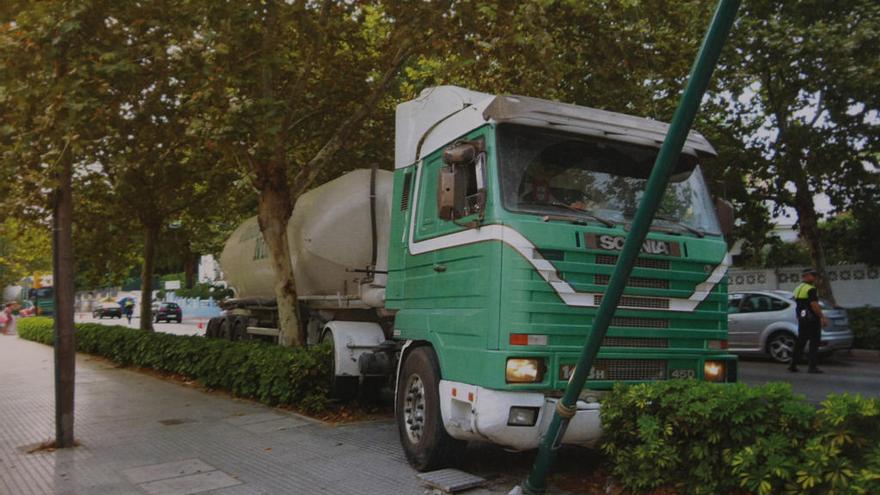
(764, 322)
(168, 311)
(27, 309)
(108, 311)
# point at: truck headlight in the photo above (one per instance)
(522, 416)
(713, 371)
(524, 370)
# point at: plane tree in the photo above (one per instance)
(290, 85)
(800, 85)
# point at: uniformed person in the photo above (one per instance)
(810, 321)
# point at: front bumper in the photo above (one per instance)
(476, 413)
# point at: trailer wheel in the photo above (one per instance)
(344, 388)
(239, 329)
(213, 326)
(225, 330)
(425, 441)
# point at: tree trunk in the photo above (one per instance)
(190, 265)
(274, 211)
(65, 344)
(808, 223)
(151, 238)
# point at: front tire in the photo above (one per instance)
(780, 347)
(425, 441)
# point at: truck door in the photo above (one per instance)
(458, 276)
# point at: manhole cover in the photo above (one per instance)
(451, 480)
(175, 421)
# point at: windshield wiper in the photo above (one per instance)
(604, 221)
(697, 232)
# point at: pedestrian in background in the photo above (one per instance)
(129, 309)
(810, 321)
(7, 319)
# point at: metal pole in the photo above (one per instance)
(62, 275)
(725, 13)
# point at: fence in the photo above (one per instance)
(853, 285)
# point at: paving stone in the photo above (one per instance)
(194, 483)
(274, 425)
(247, 419)
(167, 470)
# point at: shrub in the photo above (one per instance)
(709, 438)
(865, 324)
(268, 373)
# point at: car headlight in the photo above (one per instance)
(524, 370)
(713, 371)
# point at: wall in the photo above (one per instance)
(853, 285)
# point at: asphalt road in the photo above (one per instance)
(189, 326)
(842, 373)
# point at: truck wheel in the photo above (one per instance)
(239, 330)
(211, 329)
(225, 330)
(344, 388)
(425, 441)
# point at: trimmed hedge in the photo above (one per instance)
(268, 373)
(707, 438)
(865, 324)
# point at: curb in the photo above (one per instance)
(862, 353)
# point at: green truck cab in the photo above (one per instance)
(507, 217)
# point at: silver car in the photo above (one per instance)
(764, 322)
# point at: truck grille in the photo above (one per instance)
(637, 322)
(637, 302)
(640, 282)
(609, 259)
(631, 369)
(639, 342)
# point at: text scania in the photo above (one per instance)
(615, 243)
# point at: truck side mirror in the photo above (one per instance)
(460, 154)
(724, 210)
(460, 187)
(450, 192)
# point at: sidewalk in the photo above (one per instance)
(143, 435)
(140, 434)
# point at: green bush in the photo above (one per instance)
(268, 373)
(865, 324)
(708, 438)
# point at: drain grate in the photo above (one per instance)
(451, 480)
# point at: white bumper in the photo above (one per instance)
(477, 413)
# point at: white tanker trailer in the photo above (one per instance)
(338, 235)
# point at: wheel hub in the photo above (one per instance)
(414, 408)
(781, 348)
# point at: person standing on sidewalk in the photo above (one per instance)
(7, 319)
(811, 320)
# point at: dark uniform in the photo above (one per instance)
(809, 324)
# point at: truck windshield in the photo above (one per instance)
(545, 172)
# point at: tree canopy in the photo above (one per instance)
(181, 118)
